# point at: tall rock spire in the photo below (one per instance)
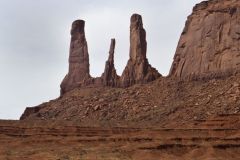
(138, 70)
(110, 77)
(78, 58)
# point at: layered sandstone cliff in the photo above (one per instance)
(209, 44)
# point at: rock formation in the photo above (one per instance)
(138, 70)
(209, 44)
(110, 77)
(78, 58)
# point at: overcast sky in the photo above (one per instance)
(34, 42)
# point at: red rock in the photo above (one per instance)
(30, 111)
(209, 44)
(110, 77)
(138, 70)
(78, 58)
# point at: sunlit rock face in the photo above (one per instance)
(78, 58)
(210, 42)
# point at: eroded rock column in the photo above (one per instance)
(110, 77)
(78, 58)
(138, 70)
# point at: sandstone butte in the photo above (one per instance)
(208, 49)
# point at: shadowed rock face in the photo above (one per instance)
(209, 44)
(78, 58)
(138, 70)
(110, 77)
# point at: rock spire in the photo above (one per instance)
(78, 58)
(138, 70)
(110, 77)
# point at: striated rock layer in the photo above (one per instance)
(215, 138)
(209, 44)
(138, 70)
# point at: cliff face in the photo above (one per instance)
(209, 44)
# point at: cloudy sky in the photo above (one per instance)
(34, 42)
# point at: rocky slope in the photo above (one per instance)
(157, 103)
(209, 44)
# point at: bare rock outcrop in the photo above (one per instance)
(110, 77)
(209, 44)
(138, 70)
(78, 58)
